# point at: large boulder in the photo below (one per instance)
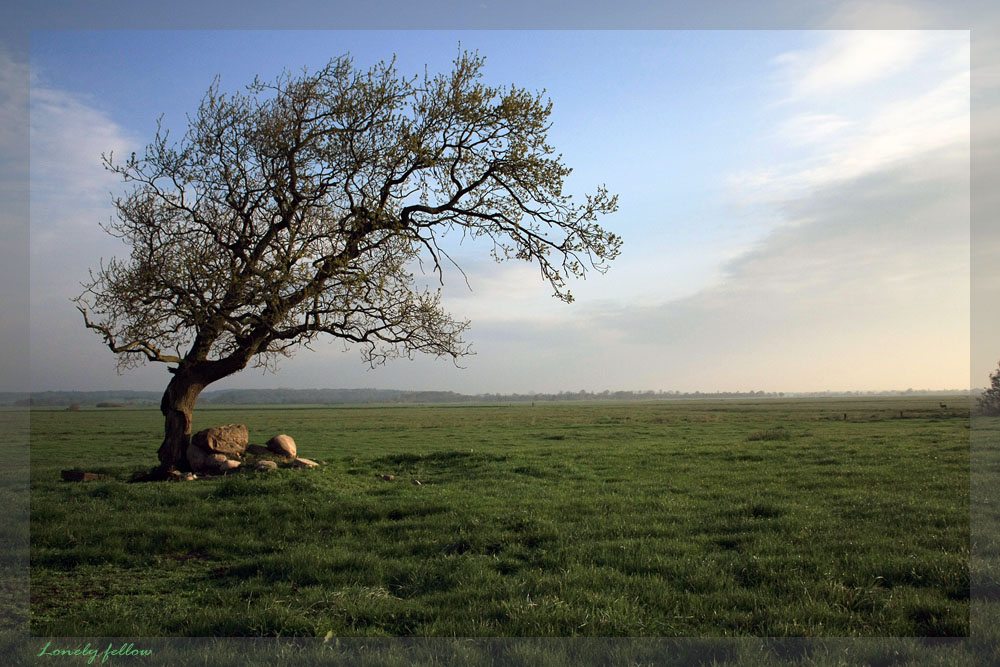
(202, 460)
(282, 445)
(230, 440)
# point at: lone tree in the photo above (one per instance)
(989, 402)
(303, 207)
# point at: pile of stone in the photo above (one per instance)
(220, 449)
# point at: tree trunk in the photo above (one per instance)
(177, 405)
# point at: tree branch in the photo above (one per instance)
(135, 347)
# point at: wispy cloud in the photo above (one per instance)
(68, 136)
(861, 268)
(70, 196)
(858, 279)
(848, 60)
(812, 128)
(865, 287)
(70, 191)
(825, 140)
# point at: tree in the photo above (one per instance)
(303, 206)
(989, 402)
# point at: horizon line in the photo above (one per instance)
(515, 393)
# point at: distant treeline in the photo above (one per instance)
(111, 399)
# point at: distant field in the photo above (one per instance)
(807, 517)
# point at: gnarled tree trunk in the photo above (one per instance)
(177, 405)
(182, 393)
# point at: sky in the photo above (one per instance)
(795, 204)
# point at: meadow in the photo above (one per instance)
(766, 518)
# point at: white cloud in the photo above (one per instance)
(865, 288)
(498, 292)
(848, 60)
(859, 274)
(830, 141)
(811, 128)
(68, 136)
(70, 191)
(70, 195)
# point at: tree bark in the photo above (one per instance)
(177, 406)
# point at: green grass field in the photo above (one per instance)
(829, 518)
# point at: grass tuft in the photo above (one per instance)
(769, 435)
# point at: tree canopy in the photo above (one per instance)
(989, 401)
(299, 208)
(303, 206)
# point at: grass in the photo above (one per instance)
(821, 518)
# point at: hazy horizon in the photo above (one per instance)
(217, 387)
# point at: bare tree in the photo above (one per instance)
(303, 206)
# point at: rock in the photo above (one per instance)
(282, 445)
(202, 460)
(230, 440)
(417, 482)
(79, 476)
(228, 465)
(387, 478)
(304, 463)
(189, 476)
(258, 450)
(265, 465)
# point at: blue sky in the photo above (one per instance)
(794, 204)
(648, 113)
